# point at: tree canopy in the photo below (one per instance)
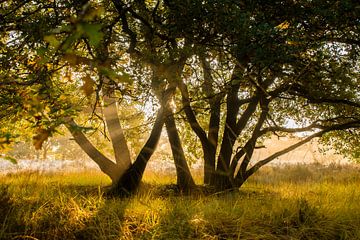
(234, 72)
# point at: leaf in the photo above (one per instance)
(41, 51)
(61, 29)
(10, 159)
(92, 32)
(293, 43)
(283, 25)
(40, 138)
(52, 40)
(71, 59)
(66, 45)
(88, 86)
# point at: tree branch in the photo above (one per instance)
(292, 130)
(299, 90)
(258, 165)
(190, 115)
(105, 164)
(122, 10)
(250, 145)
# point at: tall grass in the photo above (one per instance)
(299, 202)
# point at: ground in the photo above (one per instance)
(291, 202)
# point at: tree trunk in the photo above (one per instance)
(121, 150)
(208, 142)
(222, 180)
(46, 146)
(210, 146)
(130, 180)
(184, 178)
(250, 145)
(209, 163)
(44, 155)
(230, 134)
(106, 165)
(213, 136)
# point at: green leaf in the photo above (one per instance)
(92, 32)
(70, 40)
(41, 51)
(10, 159)
(52, 40)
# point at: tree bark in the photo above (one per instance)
(184, 178)
(209, 149)
(45, 149)
(106, 165)
(209, 163)
(121, 150)
(250, 145)
(130, 180)
(214, 122)
(222, 180)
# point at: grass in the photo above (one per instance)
(298, 202)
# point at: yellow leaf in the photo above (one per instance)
(292, 43)
(283, 25)
(31, 62)
(62, 97)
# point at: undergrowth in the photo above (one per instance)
(298, 202)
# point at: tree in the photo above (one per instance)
(76, 37)
(241, 69)
(287, 61)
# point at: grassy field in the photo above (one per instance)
(295, 202)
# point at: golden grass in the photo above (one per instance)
(299, 202)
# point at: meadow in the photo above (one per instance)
(292, 202)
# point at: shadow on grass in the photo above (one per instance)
(58, 211)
